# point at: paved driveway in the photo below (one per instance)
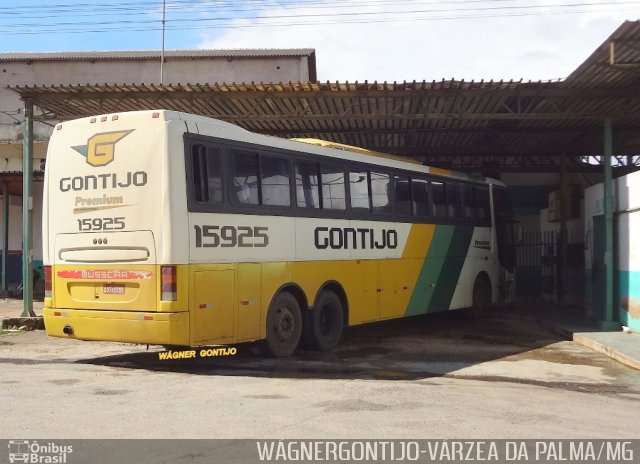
(501, 375)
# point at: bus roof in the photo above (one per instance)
(310, 145)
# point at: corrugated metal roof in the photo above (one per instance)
(155, 54)
(467, 125)
(616, 62)
(433, 121)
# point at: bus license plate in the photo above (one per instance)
(113, 289)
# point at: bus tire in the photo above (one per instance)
(481, 297)
(284, 325)
(324, 322)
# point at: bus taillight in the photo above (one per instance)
(169, 283)
(47, 281)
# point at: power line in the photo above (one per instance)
(335, 17)
(448, 10)
(140, 9)
(309, 23)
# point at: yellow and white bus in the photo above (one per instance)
(173, 229)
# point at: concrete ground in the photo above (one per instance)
(442, 376)
(12, 307)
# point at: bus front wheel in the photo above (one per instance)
(481, 297)
(325, 322)
(284, 325)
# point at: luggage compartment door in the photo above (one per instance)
(214, 303)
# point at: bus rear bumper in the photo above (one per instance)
(118, 326)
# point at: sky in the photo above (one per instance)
(355, 40)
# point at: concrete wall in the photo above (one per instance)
(14, 261)
(132, 71)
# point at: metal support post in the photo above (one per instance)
(562, 238)
(164, 9)
(27, 211)
(608, 322)
(5, 237)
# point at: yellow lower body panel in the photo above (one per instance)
(118, 326)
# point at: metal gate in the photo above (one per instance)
(543, 273)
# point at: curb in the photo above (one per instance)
(583, 339)
(23, 323)
(558, 329)
(600, 347)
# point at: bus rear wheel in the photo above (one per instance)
(325, 322)
(284, 325)
(481, 297)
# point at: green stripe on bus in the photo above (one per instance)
(431, 268)
(451, 268)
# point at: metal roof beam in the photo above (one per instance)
(249, 91)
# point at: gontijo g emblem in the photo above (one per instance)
(100, 147)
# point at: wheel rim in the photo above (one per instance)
(326, 320)
(284, 326)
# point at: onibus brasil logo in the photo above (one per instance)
(34, 452)
(100, 147)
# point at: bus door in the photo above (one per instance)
(505, 242)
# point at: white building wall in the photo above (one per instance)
(15, 222)
(626, 244)
(198, 69)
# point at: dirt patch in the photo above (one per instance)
(23, 323)
(64, 381)
(110, 392)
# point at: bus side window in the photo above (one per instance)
(454, 199)
(402, 186)
(468, 201)
(483, 209)
(439, 198)
(333, 189)
(207, 174)
(274, 181)
(421, 201)
(380, 193)
(307, 188)
(245, 178)
(359, 188)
